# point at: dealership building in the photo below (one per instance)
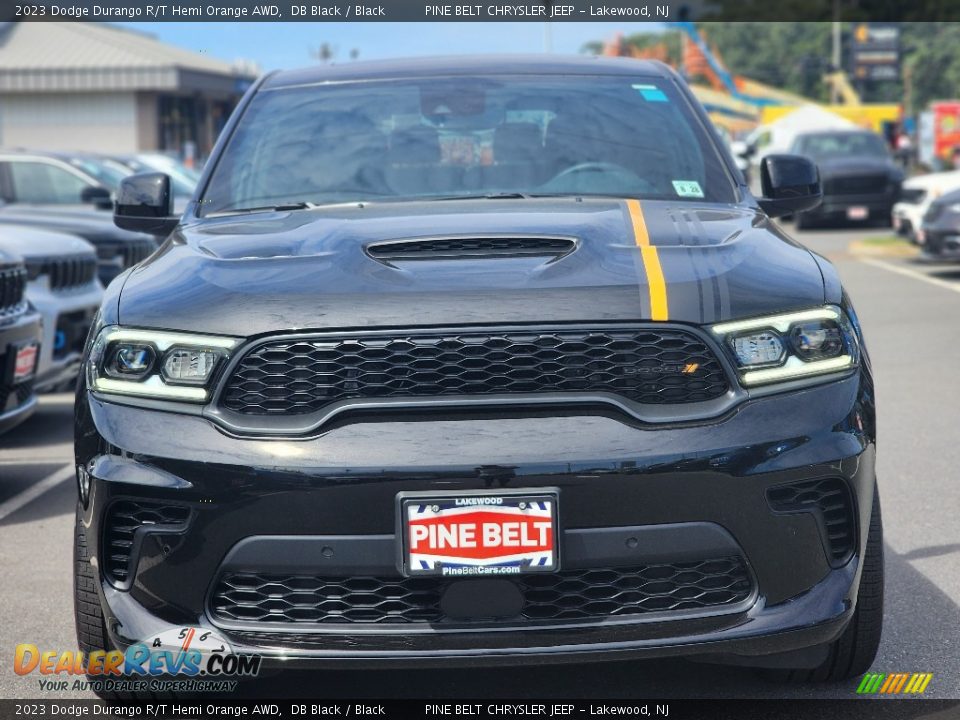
(101, 88)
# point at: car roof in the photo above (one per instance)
(468, 65)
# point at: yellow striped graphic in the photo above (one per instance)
(651, 262)
(894, 683)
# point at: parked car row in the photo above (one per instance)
(939, 234)
(20, 330)
(916, 197)
(59, 248)
(86, 179)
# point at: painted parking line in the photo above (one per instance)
(915, 274)
(58, 476)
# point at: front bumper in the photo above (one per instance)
(67, 318)
(837, 206)
(17, 401)
(908, 218)
(326, 506)
(941, 240)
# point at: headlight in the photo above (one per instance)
(156, 364)
(790, 346)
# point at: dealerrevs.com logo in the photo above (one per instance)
(184, 659)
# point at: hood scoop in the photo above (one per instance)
(467, 248)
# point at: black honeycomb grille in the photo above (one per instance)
(567, 595)
(656, 366)
(122, 521)
(450, 248)
(830, 499)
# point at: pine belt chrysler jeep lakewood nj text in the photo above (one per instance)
(480, 361)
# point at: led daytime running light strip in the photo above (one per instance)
(165, 340)
(792, 370)
(151, 387)
(781, 323)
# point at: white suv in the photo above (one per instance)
(62, 285)
(916, 196)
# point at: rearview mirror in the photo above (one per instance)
(790, 184)
(144, 204)
(96, 196)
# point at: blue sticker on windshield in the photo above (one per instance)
(651, 93)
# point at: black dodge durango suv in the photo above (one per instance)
(473, 361)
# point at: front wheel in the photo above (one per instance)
(854, 651)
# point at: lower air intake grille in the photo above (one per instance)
(567, 595)
(23, 392)
(650, 365)
(122, 521)
(831, 500)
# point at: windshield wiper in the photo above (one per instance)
(487, 196)
(301, 205)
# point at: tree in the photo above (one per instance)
(795, 56)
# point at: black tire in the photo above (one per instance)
(854, 651)
(91, 631)
(91, 628)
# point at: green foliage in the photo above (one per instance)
(795, 56)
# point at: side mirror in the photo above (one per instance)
(790, 183)
(96, 196)
(145, 204)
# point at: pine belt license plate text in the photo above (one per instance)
(481, 534)
(857, 212)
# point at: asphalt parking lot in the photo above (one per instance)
(910, 312)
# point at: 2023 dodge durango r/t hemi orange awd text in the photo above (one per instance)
(472, 361)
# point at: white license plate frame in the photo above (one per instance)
(517, 548)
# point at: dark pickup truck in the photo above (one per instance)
(861, 182)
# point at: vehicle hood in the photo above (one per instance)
(91, 225)
(32, 243)
(9, 258)
(266, 272)
(840, 166)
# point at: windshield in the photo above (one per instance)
(842, 144)
(468, 137)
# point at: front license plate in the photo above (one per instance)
(25, 363)
(857, 213)
(487, 533)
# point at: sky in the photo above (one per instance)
(287, 45)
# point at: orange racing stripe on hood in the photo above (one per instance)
(651, 262)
